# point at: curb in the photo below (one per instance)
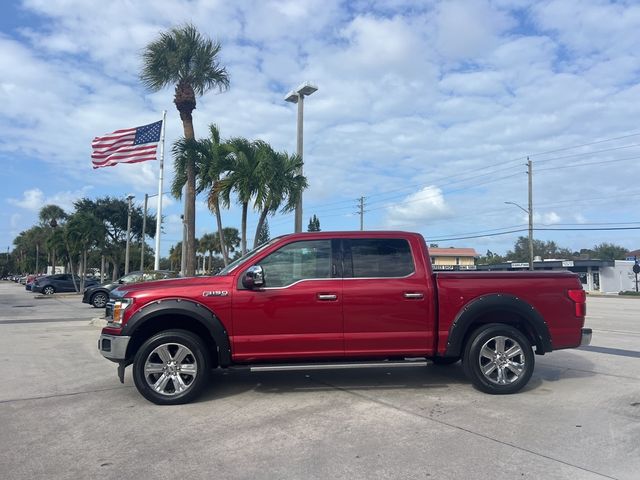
(57, 295)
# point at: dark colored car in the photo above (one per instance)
(30, 280)
(98, 295)
(61, 282)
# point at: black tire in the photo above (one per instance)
(443, 361)
(496, 367)
(99, 300)
(48, 290)
(174, 378)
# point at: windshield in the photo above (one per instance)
(236, 263)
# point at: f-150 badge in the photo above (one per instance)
(215, 293)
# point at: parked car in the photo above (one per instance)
(98, 295)
(61, 282)
(30, 280)
(318, 300)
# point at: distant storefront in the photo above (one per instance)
(452, 258)
(596, 275)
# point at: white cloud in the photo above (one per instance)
(467, 28)
(546, 218)
(34, 199)
(15, 220)
(418, 209)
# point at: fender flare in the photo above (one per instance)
(187, 308)
(464, 321)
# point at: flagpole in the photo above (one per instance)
(159, 212)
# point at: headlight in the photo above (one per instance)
(119, 308)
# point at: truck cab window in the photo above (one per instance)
(381, 258)
(297, 261)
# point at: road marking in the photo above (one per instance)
(43, 320)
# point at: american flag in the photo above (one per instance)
(130, 145)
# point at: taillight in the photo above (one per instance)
(580, 299)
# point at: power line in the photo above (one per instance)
(602, 162)
(587, 153)
(584, 145)
(450, 191)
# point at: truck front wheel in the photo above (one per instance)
(498, 359)
(171, 367)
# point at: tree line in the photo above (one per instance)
(550, 249)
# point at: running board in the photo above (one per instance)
(337, 366)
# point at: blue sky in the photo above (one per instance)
(427, 109)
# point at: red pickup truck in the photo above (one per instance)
(340, 300)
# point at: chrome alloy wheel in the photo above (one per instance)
(502, 360)
(99, 300)
(170, 369)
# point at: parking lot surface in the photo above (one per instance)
(64, 414)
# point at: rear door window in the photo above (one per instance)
(379, 258)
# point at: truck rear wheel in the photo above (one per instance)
(171, 367)
(498, 359)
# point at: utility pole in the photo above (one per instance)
(530, 174)
(361, 212)
(143, 242)
(126, 254)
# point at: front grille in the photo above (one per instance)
(108, 313)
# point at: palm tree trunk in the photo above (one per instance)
(73, 273)
(84, 269)
(245, 207)
(101, 268)
(185, 103)
(223, 249)
(263, 216)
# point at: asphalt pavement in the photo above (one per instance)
(65, 415)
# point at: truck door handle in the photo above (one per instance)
(329, 297)
(413, 295)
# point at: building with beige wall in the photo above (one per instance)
(453, 258)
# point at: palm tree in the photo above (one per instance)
(185, 58)
(213, 158)
(243, 177)
(83, 231)
(52, 215)
(209, 243)
(283, 182)
(209, 158)
(231, 239)
(175, 256)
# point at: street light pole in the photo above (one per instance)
(126, 254)
(297, 96)
(530, 174)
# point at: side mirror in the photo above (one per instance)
(253, 278)
(120, 281)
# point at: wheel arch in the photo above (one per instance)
(179, 314)
(97, 291)
(498, 308)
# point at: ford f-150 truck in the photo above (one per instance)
(340, 300)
